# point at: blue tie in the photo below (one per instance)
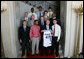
(42, 23)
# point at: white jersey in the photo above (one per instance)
(47, 38)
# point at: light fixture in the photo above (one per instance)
(3, 6)
(78, 8)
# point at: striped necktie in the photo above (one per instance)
(54, 30)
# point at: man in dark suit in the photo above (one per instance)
(41, 24)
(54, 18)
(24, 37)
(46, 27)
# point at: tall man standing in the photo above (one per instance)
(56, 29)
(24, 37)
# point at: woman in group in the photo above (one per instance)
(46, 15)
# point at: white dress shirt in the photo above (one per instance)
(50, 14)
(57, 30)
(32, 14)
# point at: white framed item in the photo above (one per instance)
(47, 38)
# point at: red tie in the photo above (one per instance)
(54, 30)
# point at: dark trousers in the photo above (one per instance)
(41, 43)
(55, 45)
(25, 45)
(45, 50)
(41, 47)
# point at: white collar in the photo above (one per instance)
(54, 18)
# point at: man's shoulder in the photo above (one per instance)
(58, 25)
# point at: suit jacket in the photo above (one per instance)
(23, 35)
(41, 26)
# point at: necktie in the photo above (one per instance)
(49, 15)
(40, 14)
(42, 23)
(54, 30)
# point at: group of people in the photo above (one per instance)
(32, 30)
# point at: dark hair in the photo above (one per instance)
(45, 11)
(54, 19)
(40, 6)
(49, 8)
(32, 8)
(41, 16)
(24, 20)
(21, 22)
(35, 21)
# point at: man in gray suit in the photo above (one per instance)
(40, 12)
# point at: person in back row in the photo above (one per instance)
(45, 15)
(54, 17)
(40, 12)
(32, 12)
(50, 12)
